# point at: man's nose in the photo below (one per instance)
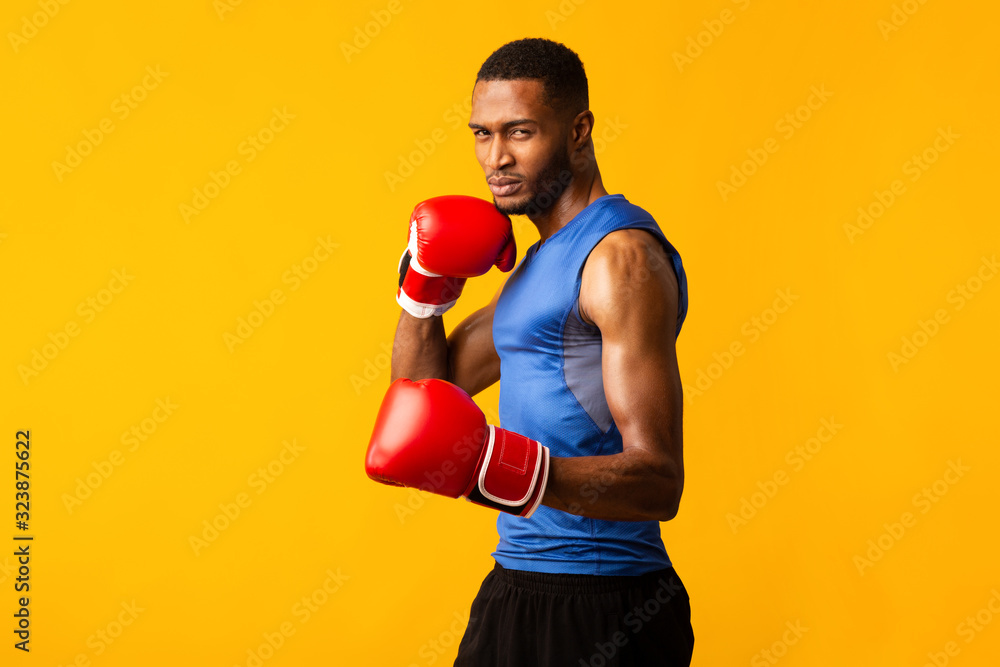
(498, 156)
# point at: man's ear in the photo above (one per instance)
(583, 128)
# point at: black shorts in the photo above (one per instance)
(527, 619)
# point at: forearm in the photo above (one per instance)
(630, 486)
(420, 348)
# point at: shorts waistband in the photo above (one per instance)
(561, 583)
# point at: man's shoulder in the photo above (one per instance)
(619, 204)
(627, 247)
(620, 268)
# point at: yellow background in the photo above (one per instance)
(314, 371)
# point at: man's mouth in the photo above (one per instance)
(503, 187)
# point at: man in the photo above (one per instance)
(581, 336)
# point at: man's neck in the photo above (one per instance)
(574, 200)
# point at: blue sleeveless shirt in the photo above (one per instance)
(552, 390)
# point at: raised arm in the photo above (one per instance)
(467, 357)
(452, 238)
(630, 292)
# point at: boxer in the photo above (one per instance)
(587, 458)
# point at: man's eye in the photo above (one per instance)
(480, 133)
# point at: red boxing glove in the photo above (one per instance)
(451, 238)
(430, 435)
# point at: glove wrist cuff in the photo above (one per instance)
(422, 293)
(422, 310)
(512, 475)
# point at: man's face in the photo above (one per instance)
(521, 144)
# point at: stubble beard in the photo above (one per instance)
(545, 189)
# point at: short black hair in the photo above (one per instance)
(557, 66)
